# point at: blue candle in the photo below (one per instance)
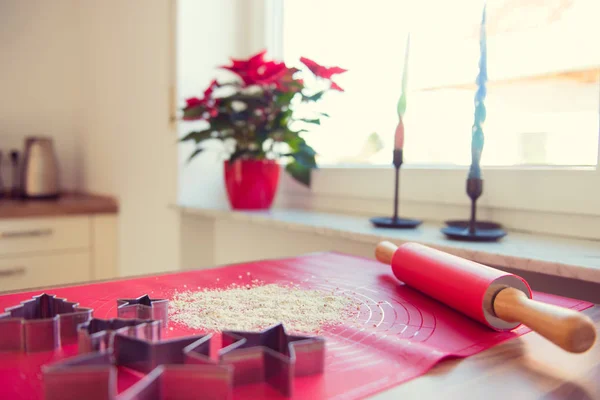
(477, 139)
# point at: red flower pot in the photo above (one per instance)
(251, 184)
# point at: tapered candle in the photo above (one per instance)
(399, 136)
(477, 138)
(402, 101)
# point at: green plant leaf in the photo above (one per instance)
(315, 121)
(194, 154)
(284, 98)
(282, 118)
(293, 140)
(299, 172)
(305, 156)
(197, 136)
(325, 114)
(194, 112)
(251, 100)
(315, 97)
(308, 150)
(239, 153)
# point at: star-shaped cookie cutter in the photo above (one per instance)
(144, 308)
(172, 365)
(42, 323)
(272, 356)
(182, 382)
(145, 355)
(98, 334)
(86, 374)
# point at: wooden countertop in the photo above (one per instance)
(528, 367)
(67, 204)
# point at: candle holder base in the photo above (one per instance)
(395, 223)
(484, 231)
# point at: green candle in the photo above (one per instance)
(402, 101)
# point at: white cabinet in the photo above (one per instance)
(53, 251)
(31, 235)
(44, 270)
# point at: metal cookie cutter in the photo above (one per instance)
(145, 355)
(183, 382)
(88, 375)
(179, 369)
(41, 324)
(144, 308)
(98, 334)
(272, 356)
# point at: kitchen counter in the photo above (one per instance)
(562, 257)
(67, 204)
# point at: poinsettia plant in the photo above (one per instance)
(258, 112)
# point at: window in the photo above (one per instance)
(543, 90)
(541, 153)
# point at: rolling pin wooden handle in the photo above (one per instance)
(385, 251)
(569, 329)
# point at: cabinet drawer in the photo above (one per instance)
(27, 272)
(19, 236)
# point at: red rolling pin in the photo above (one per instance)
(495, 298)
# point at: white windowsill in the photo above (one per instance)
(569, 258)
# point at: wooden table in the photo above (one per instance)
(529, 367)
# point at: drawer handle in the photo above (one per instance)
(4, 273)
(30, 233)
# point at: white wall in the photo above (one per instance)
(40, 68)
(209, 33)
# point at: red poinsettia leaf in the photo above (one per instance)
(209, 90)
(336, 70)
(238, 65)
(312, 66)
(257, 59)
(268, 73)
(193, 102)
(321, 71)
(256, 70)
(335, 86)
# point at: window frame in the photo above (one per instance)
(561, 200)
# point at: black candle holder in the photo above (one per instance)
(395, 222)
(473, 230)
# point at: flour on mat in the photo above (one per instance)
(256, 306)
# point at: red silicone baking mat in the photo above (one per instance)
(401, 333)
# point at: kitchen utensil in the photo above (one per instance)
(495, 298)
(272, 356)
(40, 175)
(94, 375)
(43, 323)
(15, 186)
(144, 308)
(98, 334)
